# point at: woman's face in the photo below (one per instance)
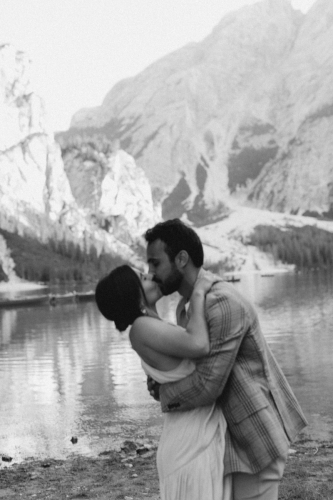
(151, 289)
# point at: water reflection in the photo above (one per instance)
(66, 371)
(8, 321)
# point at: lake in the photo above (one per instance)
(65, 371)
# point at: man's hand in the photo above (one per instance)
(153, 388)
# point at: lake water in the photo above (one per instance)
(65, 371)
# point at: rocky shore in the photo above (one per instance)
(130, 474)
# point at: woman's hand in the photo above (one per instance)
(204, 283)
(153, 388)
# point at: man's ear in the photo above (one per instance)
(182, 258)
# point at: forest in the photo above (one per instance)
(306, 247)
(57, 261)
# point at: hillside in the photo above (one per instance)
(239, 243)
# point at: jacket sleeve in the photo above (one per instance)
(227, 323)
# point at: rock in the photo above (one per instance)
(143, 451)
(128, 446)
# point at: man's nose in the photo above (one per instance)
(151, 272)
(151, 269)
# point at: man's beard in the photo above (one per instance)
(172, 283)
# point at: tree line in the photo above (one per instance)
(306, 247)
(58, 261)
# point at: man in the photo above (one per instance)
(240, 373)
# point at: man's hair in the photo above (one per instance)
(119, 296)
(177, 236)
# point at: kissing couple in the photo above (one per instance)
(229, 413)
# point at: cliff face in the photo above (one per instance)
(235, 116)
(32, 176)
(300, 178)
(38, 196)
(111, 189)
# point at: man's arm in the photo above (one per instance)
(227, 323)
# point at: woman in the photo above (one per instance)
(191, 449)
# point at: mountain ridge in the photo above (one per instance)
(204, 121)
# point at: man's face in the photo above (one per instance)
(166, 273)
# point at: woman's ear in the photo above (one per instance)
(182, 259)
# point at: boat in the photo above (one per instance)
(232, 279)
(55, 299)
(85, 296)
(24, 301)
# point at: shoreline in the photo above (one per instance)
(131, 474)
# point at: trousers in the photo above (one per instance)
(261, 486)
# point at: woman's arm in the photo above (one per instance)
(153, 334)
(230, 319)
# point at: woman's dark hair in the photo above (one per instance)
(119, 296)
(176, 237)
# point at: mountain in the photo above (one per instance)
(220, 133)
(244, 115)
(40, 199)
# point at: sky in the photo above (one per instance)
(80, 48)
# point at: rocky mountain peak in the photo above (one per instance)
(209, 122)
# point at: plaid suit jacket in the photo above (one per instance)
(241, 374)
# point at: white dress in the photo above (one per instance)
(191, 449)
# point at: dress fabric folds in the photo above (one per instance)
(191, 448)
